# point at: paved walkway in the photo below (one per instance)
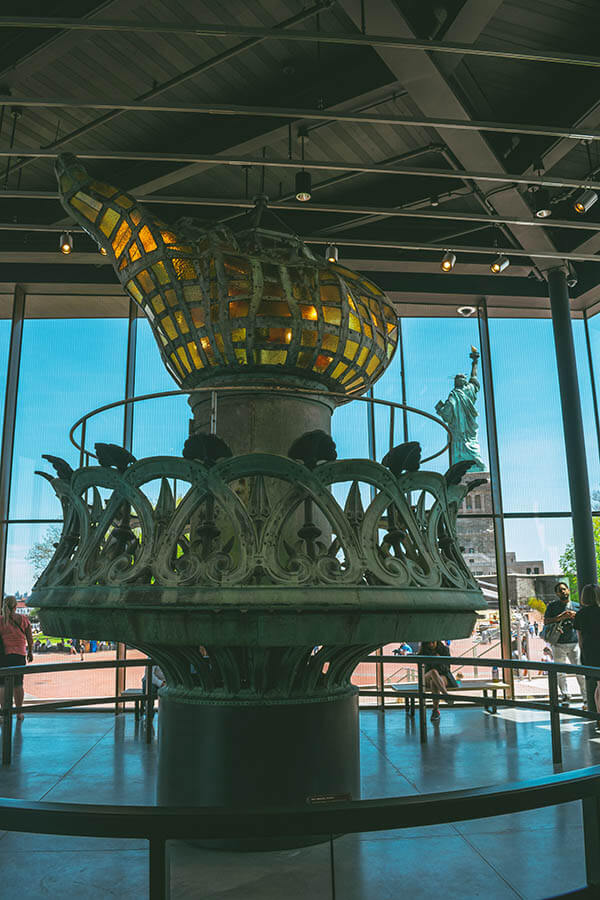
(97, 758)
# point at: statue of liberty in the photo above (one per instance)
(460, 415)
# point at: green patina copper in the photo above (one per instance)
(460, 414)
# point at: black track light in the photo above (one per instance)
(585, 201)
(500, 264)
(448, 261)
(303, 186)
(66, 243)
(331, 253)
(541, 203)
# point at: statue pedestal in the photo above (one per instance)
(256, 755)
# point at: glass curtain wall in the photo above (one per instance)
(70, 365)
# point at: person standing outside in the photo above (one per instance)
(587, 625)
(17, 639)
(566, 648)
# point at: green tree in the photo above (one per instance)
(567, 560)
(40, 553)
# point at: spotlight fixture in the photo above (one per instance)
(66, 242)
(541, 203)
(103, 251)
(303, 185)
(303, 178)
(331, 253)
(466, 311)
(500, 264)
(585, 201)
(571, 276)
(448, 261)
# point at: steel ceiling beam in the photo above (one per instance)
(378, 41)
(408, 212)
(177, 80)
(283, 112)
(575, 256)
(433, 95)
(210, 160)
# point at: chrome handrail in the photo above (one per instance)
(214, 390)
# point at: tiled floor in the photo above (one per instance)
(95, 758)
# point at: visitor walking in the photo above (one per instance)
(587, 625)
(16, 637)
(438, 677)
(563, 639)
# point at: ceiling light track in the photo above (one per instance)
(277, 112)
(316, 165)
(323, 37)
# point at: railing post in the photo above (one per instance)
(213, 412)
(149, 704)
(591, 839)
(379, 686)
(422, 703)
(159, 878)
(7, 705)
(554, 716)
(332, 866)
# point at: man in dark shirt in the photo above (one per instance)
(587, 625)
(566, 649)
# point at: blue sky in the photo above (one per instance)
(71, 366)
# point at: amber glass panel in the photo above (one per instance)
(280, 335)
(134, 290)
(235, 288)
(135, 217)
(332, 315)
(184, 358)
(238, 334)
(181, 321)
(109, 221)
(309, 338)
(362, 356)
(197, 316)
(339, 369)
(273, 308)
(219, 343)
(124, 202)
(193, 351)
(350, 374)
(353, 323)
(145, 281)
(121, 238)
(367, 330)
(134, 252)
(158, 304)
(351, 349)
(238, 309)
(241, 356)
(123, 263)
(304, 359)
(148, 242)
(86, 205)
(322, 362)
(308, 312)
(168, 237)
(330, 293)
(270, 357)
(184, 269)
(330, 342)
(106, 190)
(373, 363)
(169, 327)
(171, 297)
(160, 272)
(177, 364)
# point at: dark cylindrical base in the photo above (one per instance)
(257, 755)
